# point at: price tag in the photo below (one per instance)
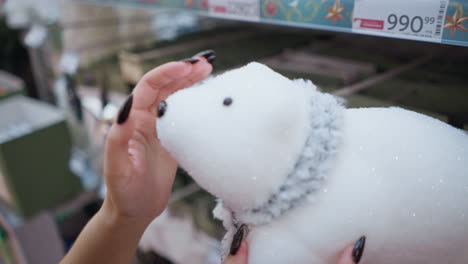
(409, 19)
(236, 9)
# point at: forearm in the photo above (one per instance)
(107, 238)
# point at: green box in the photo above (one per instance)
(34, 156)
(10, 85)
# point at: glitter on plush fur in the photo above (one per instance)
(310, 177)
(310, 170)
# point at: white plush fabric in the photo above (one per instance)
(312, 164)
(308, 174)
(267, 127)
(397, 177)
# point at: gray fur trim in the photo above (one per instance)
(311, 168)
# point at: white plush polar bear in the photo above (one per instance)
(309, 177)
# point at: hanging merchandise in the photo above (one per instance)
(80, 162)
(36, 36)
(69, 62)
(23, 13)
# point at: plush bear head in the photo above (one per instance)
(238, 134)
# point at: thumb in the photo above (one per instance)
(345, 257)
(353, 254)
(240, 257)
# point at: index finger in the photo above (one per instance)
(148, 88)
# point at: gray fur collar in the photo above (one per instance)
(310, 170)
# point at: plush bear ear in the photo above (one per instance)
(309, 85)
(341, 100)
(306, 84)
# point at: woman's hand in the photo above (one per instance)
(139, 172)
(350, 255)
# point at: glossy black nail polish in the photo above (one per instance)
(359, 249)
(124, 111)
(211, 59)
(237, 240)
(206, 54)
(190, 60)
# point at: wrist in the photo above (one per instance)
(112, 219)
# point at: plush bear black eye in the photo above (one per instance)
(162, 107)
(227, 101)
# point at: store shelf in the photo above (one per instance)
(439, 21)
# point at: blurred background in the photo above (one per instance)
(67, 65)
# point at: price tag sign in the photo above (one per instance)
(409, 19)
(236, 9)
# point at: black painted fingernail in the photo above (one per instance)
(190, 60)
(206, 54)
(237, 240)
(124, 111)
(211, 59)
(162, 107)
(359, 249)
